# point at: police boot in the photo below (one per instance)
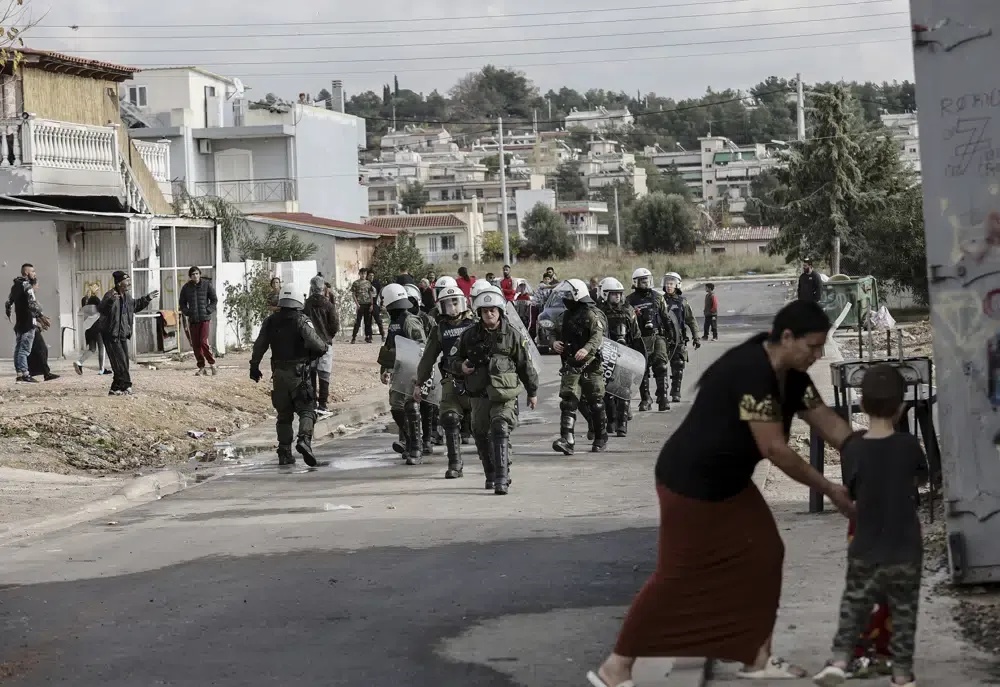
(644, 401)
(425, 426)
(285, 456)
(453, 441)
(486, 458)
(600, 428)
(566, 443)
(437, 434)
(675, 386)
(585, 411)
(611, 413)
(413, 453)
(467, 429)
(324, 396)
(304, 447)
(399, 446)
(661, 394)
(623, 417)
(500, 465)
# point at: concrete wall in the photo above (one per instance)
(270, 156)
(326, 253)
(326, 163)
(351, 256)
(33, 241)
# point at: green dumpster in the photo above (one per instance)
(841, 289)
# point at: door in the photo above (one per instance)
(234, 176)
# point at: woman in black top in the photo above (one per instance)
(717, 583)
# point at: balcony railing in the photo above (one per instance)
(248, 190)
(156, 155)
(63, 145)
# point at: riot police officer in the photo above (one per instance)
(405, 411)
(295, 346)
(454, 319)
(677, 304)
(493, 357)
(659, 335)
(578, 338)
(428, 411)
(623, 327)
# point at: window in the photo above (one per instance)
(447, 243)
(718, 250)
(432, 244)
(210, 91)
(380, 195)
(137, 95)
(444, 194)
(479, 193)
(762, 250)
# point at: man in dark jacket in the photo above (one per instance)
(28, 315)
(118, 309)
(197, 304)
(323, 314)
(810, 285)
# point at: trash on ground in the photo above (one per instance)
(342, 506)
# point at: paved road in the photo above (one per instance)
(365, 572)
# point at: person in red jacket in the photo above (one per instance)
(507, 284)
(465, 281)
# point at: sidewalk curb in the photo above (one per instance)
(262, 436)
(690, 672)
(135, 492)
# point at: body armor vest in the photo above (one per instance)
(646, 310)
(287, 344)
(451, 331)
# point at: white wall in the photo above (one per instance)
(169, 89)
(326, 163)
(326, 254)
(33, 241)
(270, 156)
(237, 272)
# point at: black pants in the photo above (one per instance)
(711, 322)
(364, 312)
(377, 316)
(38, 359)
(117, 351)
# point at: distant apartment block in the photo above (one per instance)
(906, 132)
(599, 120)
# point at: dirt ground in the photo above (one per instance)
(71, 426)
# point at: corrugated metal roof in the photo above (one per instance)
(332, 227)
(414, 221)
(742, 234)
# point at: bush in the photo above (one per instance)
(546, 235)
(246, 304)
(401, 255)
(493, 246)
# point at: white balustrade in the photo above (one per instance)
(133, 191)
(156, 155)
(70, 146)
(10, 142)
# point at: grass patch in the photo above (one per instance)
(609, 262)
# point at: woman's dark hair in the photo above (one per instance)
(463, 272)
(800, 318)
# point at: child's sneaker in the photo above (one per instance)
(830, 676)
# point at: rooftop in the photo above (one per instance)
(306, 220)
(78, 66)
(742, 234)
(200, 70)
(422, 221)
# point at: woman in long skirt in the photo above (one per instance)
(717, 583)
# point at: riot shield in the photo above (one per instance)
(404, 373)
(623, 369)
(672, 323)
(515, 321)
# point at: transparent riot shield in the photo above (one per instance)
(404, 373)
(623, 368)
(675, 338)
(515, 321)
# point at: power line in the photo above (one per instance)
(504, 41)
(567, 51)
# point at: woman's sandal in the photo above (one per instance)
(774, 669)
(594, 679)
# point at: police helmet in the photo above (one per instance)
(642, 273)
(291, 296)
(394, 297)
(610, 285)
(443, 283)
(489, 297)
(576, 290)
(451, 301)
(671, 277)
(413, 293)
(479, 286)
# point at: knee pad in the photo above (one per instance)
(568, 406)
(499, 429)
(660, 370)
(451, 420)
(411, 408)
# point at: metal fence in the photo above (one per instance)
(248, 190)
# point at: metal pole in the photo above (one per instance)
(179, 326)
(618, 224)
(800, 108)
(503, 198)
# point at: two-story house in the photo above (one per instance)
(289, 158)
(79, 199)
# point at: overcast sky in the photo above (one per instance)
(675, 48)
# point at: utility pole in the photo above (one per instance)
(503, 197)
(800, 118)
(959, 183)
(618, 224)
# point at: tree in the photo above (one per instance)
(546, 234)
(395, 86)
(491, 92)
(663, 224)
(414, 198)
(277, 245)
(493, 246)
(325, 98)
(401, 255)
(626, 199)
(569, 182)
(492, 163)
(13, 25)
(231, 221)
(763, 188)
(246, 303)
(669, 181)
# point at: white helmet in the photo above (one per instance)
(642, 273)
(578, 291)
(478, 286)
(291, 296)
(489, 297)
(413, 292)
(394, 297)
(671, 276)
(444, 283)
(451, 301)
(610, 285)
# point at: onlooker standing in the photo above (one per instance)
(426, 296)
(90, 306)
(432, 278)
(376, 306)
(507, 284)
(323, 315)
(28, 314)
(810, 285)
(594, 290)
(38, 359)
(197, 304)
(549, 277)
(464, 281)
(361, 291)
(403, 278)
(711, 313)
(272, 298)
(118, 309)
(883, 469)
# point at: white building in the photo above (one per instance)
(539, 153)
(906, 132)
(606, 164)
(580, 216)
(440, 237)
(294, 158)
(415, 138)
(601, 119)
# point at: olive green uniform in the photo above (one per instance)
(428, 411)
(405, 411)
(623, 327)
(294, 345)
(582, 327)
(678, 305)
(501, 365)
(455, 403)
(659, 337)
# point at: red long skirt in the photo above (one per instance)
(875, 638)
(717, 583)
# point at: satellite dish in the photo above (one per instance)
(238, 88)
